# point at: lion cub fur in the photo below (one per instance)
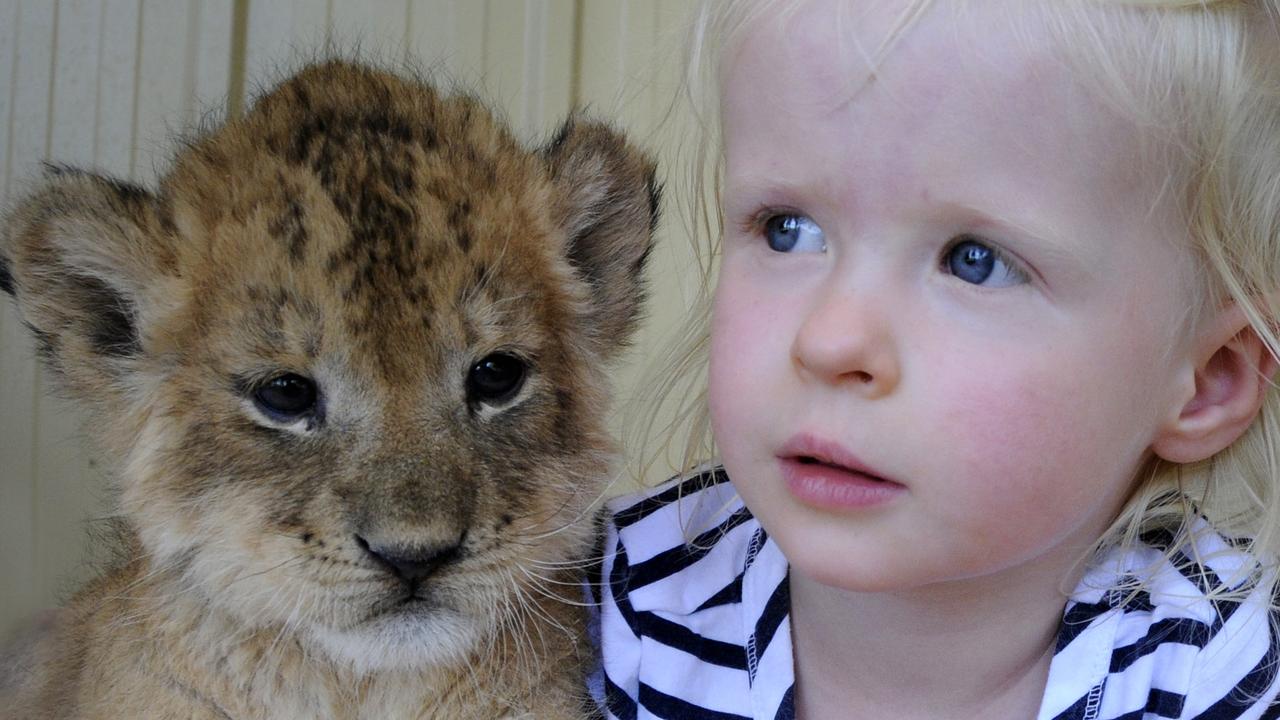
(434, 308)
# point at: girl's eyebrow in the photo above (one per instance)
(1051, 248)
(773, 188)
(1047, 239)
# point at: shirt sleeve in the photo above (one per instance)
(1237, 673)
(616, 683)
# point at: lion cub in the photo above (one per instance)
(349, 362)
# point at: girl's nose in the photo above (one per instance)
(849, 343)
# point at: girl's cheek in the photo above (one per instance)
(730, 356)
(745, 326)
(1018, 460)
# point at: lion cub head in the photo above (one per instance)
(350, 358)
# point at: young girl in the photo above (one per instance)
(991, 351)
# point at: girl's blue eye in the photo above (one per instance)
(973, 261)
(794, 233)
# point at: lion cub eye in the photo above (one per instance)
(286, 397)
(495, 379)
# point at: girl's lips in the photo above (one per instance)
(805, 446)
(832, 487)
(820, 473)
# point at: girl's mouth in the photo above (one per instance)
(822, 474)
(809, 449)
(809, 460)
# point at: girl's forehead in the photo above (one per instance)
(843, 45)
(934, 72)
(972, 71)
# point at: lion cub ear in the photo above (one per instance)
(81, 255)
(608, 204)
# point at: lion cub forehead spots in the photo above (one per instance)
(349, 194)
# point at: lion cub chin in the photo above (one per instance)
(349, 364)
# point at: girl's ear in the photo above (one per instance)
(607, 201)
(1233, 370)
(80, 257)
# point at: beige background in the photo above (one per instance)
(108, 83)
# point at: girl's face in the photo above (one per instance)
(944, 332)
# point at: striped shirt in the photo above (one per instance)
(698, 627)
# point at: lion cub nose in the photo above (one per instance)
(408, 562)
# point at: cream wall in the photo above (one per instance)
(107, 83)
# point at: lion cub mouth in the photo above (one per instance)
(416, 568)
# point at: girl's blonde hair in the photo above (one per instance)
(1201, 78)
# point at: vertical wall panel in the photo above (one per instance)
(279, 34)
(165, 77)
(679, 277)
(65, 485)
(33, 70)
(505, 50)
(527, 70)
(378, 27)
(211, 57)
(27, 132)
(117, 82)
(75, 83)
(629, 70)
(69, 71)
(8, 77)
(549, 31)
(17, 396)
(449, 35)
(8, 82)
(611, 68)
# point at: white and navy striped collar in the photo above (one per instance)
(738, 568)
(1185, 653)
(720, 601)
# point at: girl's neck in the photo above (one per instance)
(972, 648)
